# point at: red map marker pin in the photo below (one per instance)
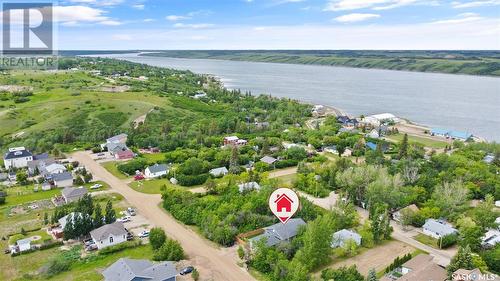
(284, 202)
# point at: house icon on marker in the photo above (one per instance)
(283, 202)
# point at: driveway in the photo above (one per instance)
(212, 262)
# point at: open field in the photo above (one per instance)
(150, 186)
(427, 142)
(42, 233)
(422, 238)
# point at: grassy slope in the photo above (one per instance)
(487, 64)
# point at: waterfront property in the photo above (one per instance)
(454, 135)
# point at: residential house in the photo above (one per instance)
(490, 238)
(124, 155)
(121, 138)
(331, 149)
(53, 168)
(421, 268)
(342, 236)
(437, 228)
(439, 132)
(200, 95)
(126, 269)
(38, 165)
(58, 232)
(234, 140)
(24, 244)
(268, 160)
(455, 135)
(248, 186)
(72, 194)
(346, 121)
(17, 157)
(218, 172)
(278, 233)
(347, 152)
(109, 235)
(488, 159)
(378, 119)
(62, 180)
(373, 134)
(398, 214)
(156, 171)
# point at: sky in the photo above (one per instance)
(277, 24)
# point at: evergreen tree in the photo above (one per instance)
(110, 215)
(463, 259)
(45, 218)
(157, 238)
(403, 147)
(69, 229)
(98, 217)
(85, 205)
(234, 166)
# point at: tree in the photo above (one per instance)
(98, 217)
(157, 238)
(484, 214)
(45, 218)
(450, 197)
(471, 236)
(85, 205)
(343, 273)
(463, 259)
(355, 181)
(380, 221)
(403, 147)
(234, 166)
(171, 250)
(22, 178)
(241, 252)
(110, 215)
(316, 239)
(372, 275)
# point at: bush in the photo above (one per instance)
(51, 244)
(157, 238)
(448, 240)
(171, 250)
(130, 167)
(188, 180)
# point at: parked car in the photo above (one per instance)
(96, 186)
(88, 242)
(186, 270)
(144, 234)
(124, 219)
(131, 211)
(138, 177)
(91, 247)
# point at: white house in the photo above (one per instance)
(24, 244)
(17, 157)
(437, 228)
(72, 194)
(373, 134)
(219, 172)
(109, 235)
(340, 237)
(53, 168)
(248, 186)
(156, 171)
(490, 238)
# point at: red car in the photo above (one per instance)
(138, 177)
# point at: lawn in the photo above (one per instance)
(287, 179)
(113, 169)
(42, 233)
(154, 157)
(427, 240)
(432, 143)
(150, 186)
(24, 194)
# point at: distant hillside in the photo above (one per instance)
(457, 62)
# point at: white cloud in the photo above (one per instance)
(344, 5)
(473, 4)
(149, 20)
(461, 18)
(193, 25)
(479, 34)
(138, 6)
(176, 17)
(110, 22)
(98, 2)
(356, 17)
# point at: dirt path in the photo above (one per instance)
(283, 172)
(213, 263)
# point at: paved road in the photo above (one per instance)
(213, 263)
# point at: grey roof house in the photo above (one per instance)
(156, 170)
(340, 238)
(72, 194)
(279, 232)
(437, 228)
(248, 186)
(268, 160)
(63, 179)
(109, 235)
(137, 270)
